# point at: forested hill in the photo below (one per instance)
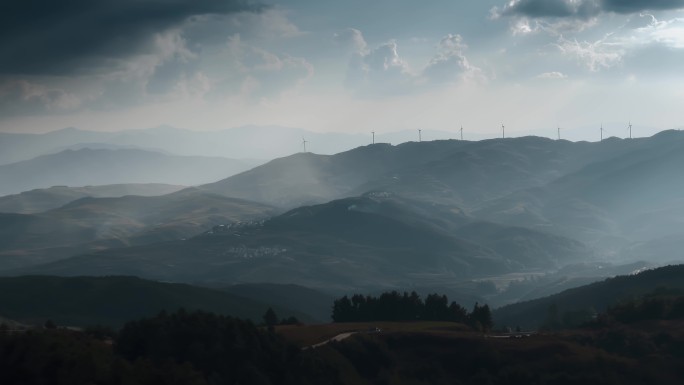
(590, 299)
(112, 301)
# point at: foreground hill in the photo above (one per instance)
(39, 200)
(90, 224)
(450, 172)
(314, 303)
(374, 241)
(589, 299)
(112, 301)
(102, 167)
(202, 348)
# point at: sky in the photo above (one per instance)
(343, 66)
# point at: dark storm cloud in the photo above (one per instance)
(583, 8)
(60, 36)
(633, 6)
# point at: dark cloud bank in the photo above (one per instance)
(584, 8)
(59, 36)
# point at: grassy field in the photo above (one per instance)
(307, 335)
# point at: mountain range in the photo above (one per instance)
(451, 172)
(418, 214)
(103, 167)
(39, 200)
(89, 224)
(248, 142)
(376, 240)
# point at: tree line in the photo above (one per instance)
(194, 348)
(393, 306)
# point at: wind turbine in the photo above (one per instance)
(420, 135)
(373, 132)
(558, 133)
(630, 129)
(461, 132)
(602, 132)
(503, 131)
(304, 142)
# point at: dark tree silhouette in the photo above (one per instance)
(481, 317)
(393, 306)
(270, 317)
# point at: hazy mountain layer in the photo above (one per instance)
(101, 167)
(39, 200)
(466, 174)
(90, 224)
(615, 204)
(369, 242)
(248, 142)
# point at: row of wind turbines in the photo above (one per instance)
(503, 134)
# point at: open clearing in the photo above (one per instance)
(308, 335)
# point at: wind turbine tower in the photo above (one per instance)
(461, 132)
(558, 133)
(503, 131)
(304, 142)
(630, 130)
(373, 132)
(420, 135)
(602, 132)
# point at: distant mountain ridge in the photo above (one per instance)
(103, 167)
(247, 142)
(462, 173)
(89, 224)
(634, 196)
(39, 200)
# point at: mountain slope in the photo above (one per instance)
(112, 301)
(247, 142)
(372, 241)
(101, 167)
(90, 224)
(450, 172)
(634, 196)
(39, 200)
(595, 297)
(299, 298)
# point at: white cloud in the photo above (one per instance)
(22, 96)
(552, 75)
(597, 55)
(450, 64)
(640, 34)
(257, 73)
(382, 71)
(351, 39)
(379, 71)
